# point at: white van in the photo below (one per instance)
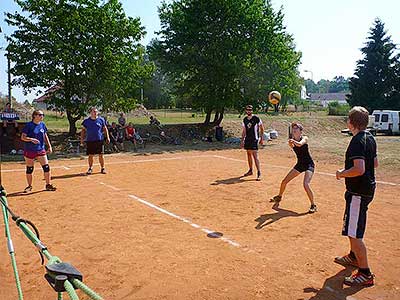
(387, 121)
(371, 127)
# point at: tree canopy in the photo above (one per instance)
(375, 84)
(89, 48)
(338, 84)
(225, 53)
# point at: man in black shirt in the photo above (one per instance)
(359, 174)
(250, 139)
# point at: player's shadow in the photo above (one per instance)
(334, 288)
(267, 219)
(66, 176)
(233, 180)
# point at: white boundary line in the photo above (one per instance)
(116, 163)
(185, 220)
(181, 158)
(282, 167)
(175, 216)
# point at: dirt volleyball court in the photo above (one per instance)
(185, 226)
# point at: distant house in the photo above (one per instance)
(325, 98)
(42, 101)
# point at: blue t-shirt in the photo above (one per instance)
(94, 129)
(36, 131)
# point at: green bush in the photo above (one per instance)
(336, 109)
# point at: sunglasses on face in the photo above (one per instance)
(40, 115)
(249, 110)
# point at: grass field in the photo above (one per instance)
(56, 123)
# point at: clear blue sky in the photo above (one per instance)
(328, 33)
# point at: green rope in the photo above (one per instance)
(80, 285)
(16, 276)
(60, 296)
(11, 250)
(69, 288)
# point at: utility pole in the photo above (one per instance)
(9, 79)
(141, 91)
(312, 74)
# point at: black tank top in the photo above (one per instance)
(303, 155)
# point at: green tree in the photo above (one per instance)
(311, 86)
(89, 48)
(394, 96)
(339, 84)
(158, 90)
(374, 81)
(225, 53)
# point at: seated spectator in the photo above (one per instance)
(154, 121)
(130, 134)
(117, 140)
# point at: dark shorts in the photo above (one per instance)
(302, 167)
(34, 154)
(251, 145)
(96, 147)
(355, 215)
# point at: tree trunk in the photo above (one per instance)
(208, 116)
(216, 117)
(72, 123)
(221, 116)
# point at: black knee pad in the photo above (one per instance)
(46, 168)
(29, 170)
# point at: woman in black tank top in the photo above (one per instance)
(305, 163)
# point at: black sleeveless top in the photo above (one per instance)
(303, 155)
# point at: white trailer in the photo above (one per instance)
(387, 121)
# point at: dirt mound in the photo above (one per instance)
(314, 124)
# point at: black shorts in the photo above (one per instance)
(302, 167)
(96, 147)
(355, 215)
(251, 144)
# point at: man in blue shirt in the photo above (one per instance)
(93, 132)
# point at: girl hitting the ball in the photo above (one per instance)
(305, 163)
